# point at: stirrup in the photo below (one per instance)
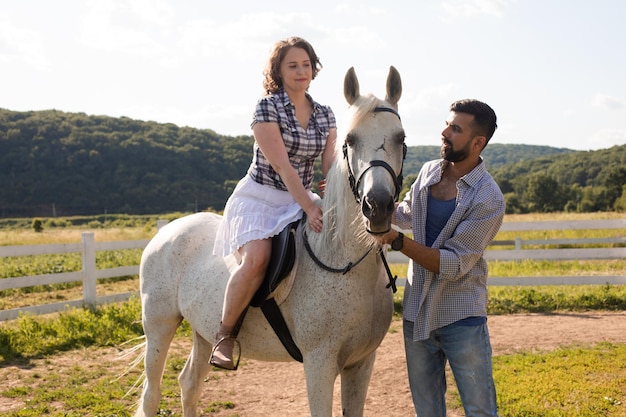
(230, 364)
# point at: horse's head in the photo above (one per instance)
(374, 150)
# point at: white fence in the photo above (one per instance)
(89, 275)
(519, 253)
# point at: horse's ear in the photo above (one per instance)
(351, 86)
(394, 86)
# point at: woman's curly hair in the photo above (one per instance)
(272, 81)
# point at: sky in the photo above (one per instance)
(553, 70)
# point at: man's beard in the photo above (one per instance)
(449, 154)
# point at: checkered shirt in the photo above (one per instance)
(459, 290)
(303, 146)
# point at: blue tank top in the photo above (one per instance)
(437, 214)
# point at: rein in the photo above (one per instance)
(325, 267)
(347, 268)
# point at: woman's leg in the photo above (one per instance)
(242, 285)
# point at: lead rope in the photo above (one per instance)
(392, 279)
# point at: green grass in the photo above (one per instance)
(545, 299)
(93, 222)
(576, 381)
(573, 382)
(37, 336)
(534, 268)
(99, 386)
(562, 234)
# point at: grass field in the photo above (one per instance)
(571, 382)
(503, 300)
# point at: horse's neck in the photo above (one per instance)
(343, 233)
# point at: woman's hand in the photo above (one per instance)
(314, 217)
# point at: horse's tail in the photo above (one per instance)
(137, 353)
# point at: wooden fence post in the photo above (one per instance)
(89, 268)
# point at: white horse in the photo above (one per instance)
(336, 320)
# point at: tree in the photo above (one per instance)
(544, 194)
(620, 203)
(79, 164)
(614, 182)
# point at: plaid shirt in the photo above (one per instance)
(459, 290)
(303, 146)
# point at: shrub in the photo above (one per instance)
(37, 225)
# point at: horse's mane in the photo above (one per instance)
(342, 217)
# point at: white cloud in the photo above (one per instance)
(103, 28)
(153, 11)
(470, 8)
(357, 37)
(248, 32)
(606, 138)
(433, 97)
(608, 102)
(21, 44)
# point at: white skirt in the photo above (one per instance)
(254, 212)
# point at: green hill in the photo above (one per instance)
(54, 163)
(495, 154)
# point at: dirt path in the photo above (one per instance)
(262, 389)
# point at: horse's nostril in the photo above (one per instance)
(391, 205)
(369, 207)
(377, 206)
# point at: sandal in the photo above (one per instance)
(226, 352)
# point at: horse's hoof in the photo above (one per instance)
(225, 353)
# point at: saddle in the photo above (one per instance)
(281, 262)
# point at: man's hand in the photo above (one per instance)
(387, 238)
(321, 187)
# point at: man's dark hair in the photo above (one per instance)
(484, 123)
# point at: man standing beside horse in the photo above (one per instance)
(454, 209)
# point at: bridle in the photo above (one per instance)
(354, 185)
(354, 182)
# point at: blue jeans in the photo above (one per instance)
(468, 350)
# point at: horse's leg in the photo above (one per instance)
(320, 376)
(192, 375)
(159, 335)
(354, 383)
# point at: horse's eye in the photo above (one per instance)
(350, 139)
